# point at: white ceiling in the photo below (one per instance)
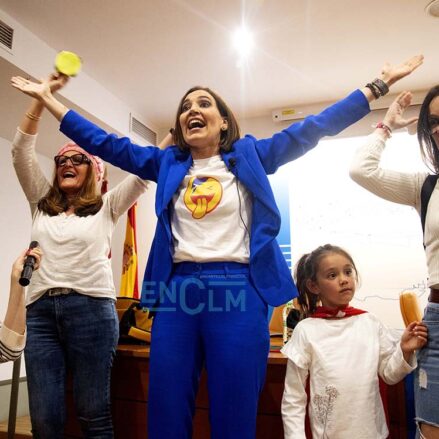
(148, 53)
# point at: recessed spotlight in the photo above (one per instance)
(433, 8)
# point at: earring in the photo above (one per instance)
(224, 128)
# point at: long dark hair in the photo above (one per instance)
(307, 268)
(87, 202)
(429, 149)
(228, 137)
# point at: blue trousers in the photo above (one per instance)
(78, 333)
(209, 316)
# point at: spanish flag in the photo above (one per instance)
(128, 284)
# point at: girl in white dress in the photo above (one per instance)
(343, 350)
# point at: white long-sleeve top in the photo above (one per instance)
(75, 248)
(402, 188)
(11, 344)
(343, 358)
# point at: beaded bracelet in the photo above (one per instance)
(384, 127)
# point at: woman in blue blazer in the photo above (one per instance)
(214, 264)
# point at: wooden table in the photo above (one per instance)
(130, 389)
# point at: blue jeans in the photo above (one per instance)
(427, 373)
(78, 333)
(211, 316)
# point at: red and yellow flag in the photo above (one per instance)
(128, 284)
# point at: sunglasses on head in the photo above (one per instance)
(76, 159)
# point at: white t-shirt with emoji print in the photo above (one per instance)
(210, 221)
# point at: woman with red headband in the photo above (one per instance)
(71, 316)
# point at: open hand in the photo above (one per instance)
(34, 89)
(414, 337)
(390, 74)
(394, 117)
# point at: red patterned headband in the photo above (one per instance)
(98, 164)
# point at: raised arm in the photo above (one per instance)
(42, 92)
(125, 194)
(394, 118)
(30, 176)
(27, 168)
(365, 169)
(121, 152)
(300, 137)
(391, 74)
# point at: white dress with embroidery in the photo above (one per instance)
(343, 358)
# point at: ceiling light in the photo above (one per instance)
(243, 42)
(433, 8)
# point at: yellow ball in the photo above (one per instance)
(68, 63)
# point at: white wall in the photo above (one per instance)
(384, 238)
(34, 56)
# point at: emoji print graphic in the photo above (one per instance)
(202, 195)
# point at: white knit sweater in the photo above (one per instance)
(402, 188)
(75, 248)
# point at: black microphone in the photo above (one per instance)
(232, 162)
(28, 267)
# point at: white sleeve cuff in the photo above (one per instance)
(11, 339)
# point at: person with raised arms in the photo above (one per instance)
(214, 265)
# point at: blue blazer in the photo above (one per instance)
(249, 159)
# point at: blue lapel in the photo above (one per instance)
(266, 217)
(175, 174)
(248, 175)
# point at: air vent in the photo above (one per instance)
(6, 35)
(143, 131)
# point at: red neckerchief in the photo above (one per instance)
(340, 312)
